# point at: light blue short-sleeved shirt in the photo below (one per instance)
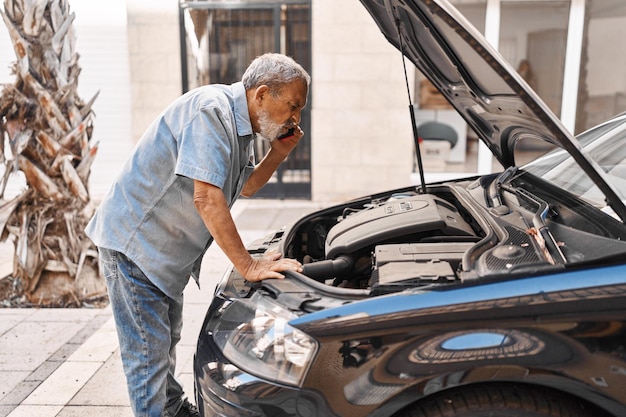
(149, 213)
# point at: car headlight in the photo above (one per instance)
(255, 335)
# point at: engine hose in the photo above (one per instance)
(329, 268)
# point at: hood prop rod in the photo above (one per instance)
(416, 140)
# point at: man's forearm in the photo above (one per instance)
(211, 205)
(262, 173)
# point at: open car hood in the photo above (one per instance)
(486, 91)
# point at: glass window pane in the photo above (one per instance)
(533, 38)
(224, 41)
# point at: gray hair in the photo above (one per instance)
(273, 70)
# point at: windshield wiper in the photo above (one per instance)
(540, 231)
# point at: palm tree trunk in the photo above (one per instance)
(48, 129)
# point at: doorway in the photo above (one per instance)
(219, 40)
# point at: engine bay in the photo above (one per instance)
(385, 245)
(455, 233)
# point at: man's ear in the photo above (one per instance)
(260, 93)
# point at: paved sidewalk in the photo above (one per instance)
(66, 363)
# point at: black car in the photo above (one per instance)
(499, 295)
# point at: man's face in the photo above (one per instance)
(280, 113)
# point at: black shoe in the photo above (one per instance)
(187, 410)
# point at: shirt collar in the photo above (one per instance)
(242, 116)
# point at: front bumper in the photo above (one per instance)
(224, 390)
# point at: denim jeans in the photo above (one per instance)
(148, 328)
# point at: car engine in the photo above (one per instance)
(385, 245)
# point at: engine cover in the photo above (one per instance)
(393, 219)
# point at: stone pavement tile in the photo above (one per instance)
(272, 214)
(81, 315)
(85, 333)
(106, 388)
(9, 380)
(10, 317)
(65, 351)
(213, 267)
(184, 369)
(37, 335)
(193, 314)
(36, 411)
(63, 384)
(102, 316)
(99, 347)
(184, 358)
(44, 370)
(33, 342)
(78, 369)
(97, 411)
(193, 317)
(186, 380)
(18, 394)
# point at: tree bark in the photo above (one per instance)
(46, 134)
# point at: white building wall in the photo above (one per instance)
(102, 42)
(361, 130)
(607, 66)
(154, 56)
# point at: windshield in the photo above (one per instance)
(606, 145)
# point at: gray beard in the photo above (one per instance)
(269, 130)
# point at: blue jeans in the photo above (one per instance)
(148, 327)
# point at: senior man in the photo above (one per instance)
(173, 198)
